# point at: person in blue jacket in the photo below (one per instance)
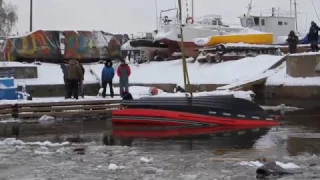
(107, 78)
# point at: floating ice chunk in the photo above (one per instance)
(48, 144)
(42, 151)
(251, 163)
(113, 167)
(146, 160)
(12, 142)
(259, 164)
(287, 165)
(46, 119)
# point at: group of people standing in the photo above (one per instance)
(313, 37)
(73, 76)
(107, 75)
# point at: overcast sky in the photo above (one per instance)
(135, 15)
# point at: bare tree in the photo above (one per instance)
(8, 18)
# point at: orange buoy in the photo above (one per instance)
(153, 91)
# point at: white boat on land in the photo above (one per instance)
(198, 31)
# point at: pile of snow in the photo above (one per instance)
(282, 78)
(16, 142)
(259, 164)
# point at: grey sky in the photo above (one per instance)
(134, 15)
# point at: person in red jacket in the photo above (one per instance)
(124, 73)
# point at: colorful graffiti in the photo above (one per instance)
(37, 45)
(56, 46)
(87, 44)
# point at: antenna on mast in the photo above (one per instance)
(249, 8)
(296, 14)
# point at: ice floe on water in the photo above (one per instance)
(259, 164)
(10, 120)
(17, 142)
(46, 119)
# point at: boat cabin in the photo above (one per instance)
(280, 23)
(210, 20)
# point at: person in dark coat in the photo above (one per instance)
(74, 76)
(124, 73)
(65, 79)
(293, 41)
(107, 76)
(313, 36)
(81, 84)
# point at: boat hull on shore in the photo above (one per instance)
(207, 110)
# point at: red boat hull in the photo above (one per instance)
(166, 117)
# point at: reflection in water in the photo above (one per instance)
(298, 133)
(303, 136)
(189, 137)
(300, 145)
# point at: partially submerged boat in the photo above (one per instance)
(180, 111)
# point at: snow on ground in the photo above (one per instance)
(222, 73)
(137, 92)
(50, 73)
(164, 72)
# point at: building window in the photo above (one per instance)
(256, 21)
(262, 22)
(285, 23)
(280, 23)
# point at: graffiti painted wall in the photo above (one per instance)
(92, 45)
(57, 46)
(36, 45)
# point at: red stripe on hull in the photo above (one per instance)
(177, 132)
(145, 122)
(206, 119)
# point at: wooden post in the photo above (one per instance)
(184, 62)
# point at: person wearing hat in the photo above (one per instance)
(107, 76)
(124, 73)
(293, 41)
(313, 36)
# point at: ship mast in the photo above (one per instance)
(192, 8)
(296, 14)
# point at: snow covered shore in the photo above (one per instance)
(137, 92)
(163, 72)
